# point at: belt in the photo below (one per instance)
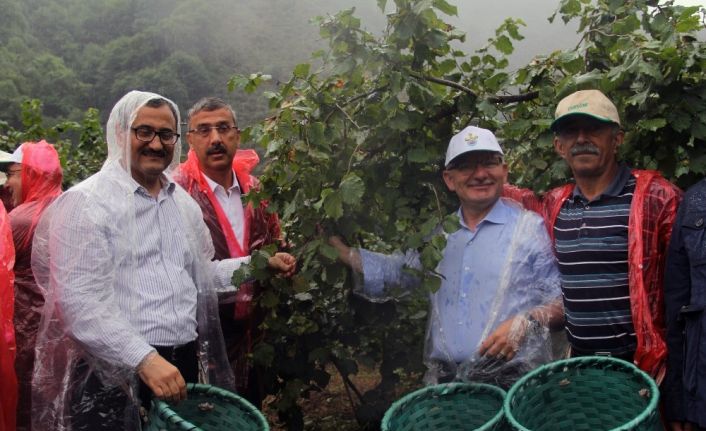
(174, 353)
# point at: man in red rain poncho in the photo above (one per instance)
(610, 229)
(34, 180)
(217, 175)
(8, 387)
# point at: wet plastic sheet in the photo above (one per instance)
(41, 184)
(526, 283)
(8, 388)
(83, 241)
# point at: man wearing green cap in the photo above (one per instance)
(611, 228)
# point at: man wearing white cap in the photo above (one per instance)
(499, 275)
(610, 230)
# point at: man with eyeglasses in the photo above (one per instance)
(499, 291)
(218, 176)
(610, 230)
(34, 178)
(126, 261)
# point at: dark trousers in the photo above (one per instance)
(97, 407)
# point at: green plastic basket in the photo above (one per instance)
(450, 406)
(207, 408)
(592, 393)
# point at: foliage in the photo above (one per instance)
(650, 62)
(354, 148)
(73, 54)
(81, 146)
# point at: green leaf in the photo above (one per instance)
(652, 124)
(504, 45)
(333, 205)
(331, 253)
(418, 155)
(301, 70)
(431, 284)
(352, 189)
(269, 299)
(300, 284)
(451, 223)
(446, 8)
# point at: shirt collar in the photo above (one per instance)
(167, 186)
(499, 214)
(214, 185)
(616, 186)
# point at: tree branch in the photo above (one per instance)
(491, 99)
(512, 99)
(445, 82)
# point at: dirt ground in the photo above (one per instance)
(330, 409)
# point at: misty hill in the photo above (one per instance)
(75, 54)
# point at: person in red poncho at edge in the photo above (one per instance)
(34, 180)
(8, 388)
(218, 176)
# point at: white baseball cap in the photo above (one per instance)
(471, 139)
(15, 157)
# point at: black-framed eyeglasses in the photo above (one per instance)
(204, 130)
(146, 134)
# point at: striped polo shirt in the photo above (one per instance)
(592, 252)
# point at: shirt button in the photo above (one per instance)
(639, 266)
(583, 225)
(699, 222)
(587, 207)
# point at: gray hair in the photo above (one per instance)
(209, 104)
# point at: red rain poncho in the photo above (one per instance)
(8, 387)
(652, 213)
(41, 184)
(260, 228)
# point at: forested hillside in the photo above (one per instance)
(76, 54)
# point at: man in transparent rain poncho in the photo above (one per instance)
(500, 289)
(124, 259)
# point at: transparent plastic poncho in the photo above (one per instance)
(522, 277)
(105, 203)
(41, 183)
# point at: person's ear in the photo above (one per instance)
(448, 179)
(559, 148)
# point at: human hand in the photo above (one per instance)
(284, 263)
(505, 341)
(163, 379)
(347, 255)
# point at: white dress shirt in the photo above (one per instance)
(232, 205)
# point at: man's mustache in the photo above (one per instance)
(216, 148)
(149, 152)
(584, 149)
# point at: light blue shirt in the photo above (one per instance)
(476, 265)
